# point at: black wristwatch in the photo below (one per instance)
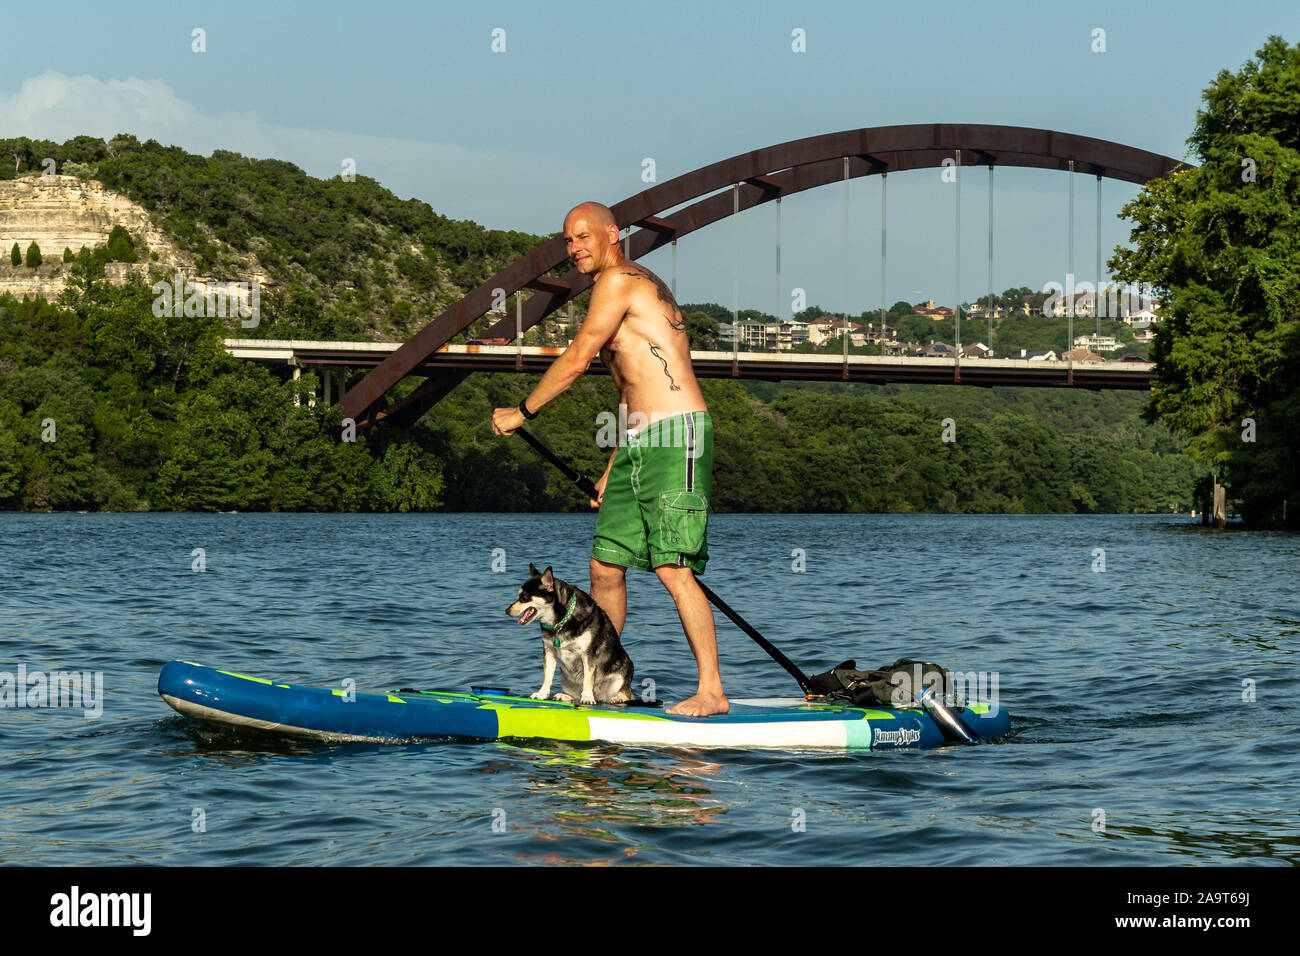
(523, 410)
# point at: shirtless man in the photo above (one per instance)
(655, 490)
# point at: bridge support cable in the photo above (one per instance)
(1096, 295)
(988, 307)
(674, 285)
(777, 301)
(956, 244)
(883, 178)
(847, 326)
(735, 279)
(1069, 272)
(519, 331)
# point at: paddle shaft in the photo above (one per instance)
(587, 486)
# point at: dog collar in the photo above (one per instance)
(573, 602)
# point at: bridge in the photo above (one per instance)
(664, 213)
(332, 361)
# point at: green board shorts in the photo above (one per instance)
(655, 509)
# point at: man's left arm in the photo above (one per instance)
(608, 306)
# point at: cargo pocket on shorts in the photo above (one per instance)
(683, 518)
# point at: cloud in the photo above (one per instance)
(57, 107)
(496, 188)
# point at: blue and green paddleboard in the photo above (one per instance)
(236, 700)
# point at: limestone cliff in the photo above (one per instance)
(64, 212)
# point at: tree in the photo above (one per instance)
(33, 256)
(67, 254)
(121, 248)
(15, 256)
(1218, 244)
(702, 330)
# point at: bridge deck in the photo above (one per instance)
(771, 366)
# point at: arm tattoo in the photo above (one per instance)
(672, 385)
(665, 296)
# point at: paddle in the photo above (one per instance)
(587, 486)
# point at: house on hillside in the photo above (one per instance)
(942, 312)
(1098, 343)
(1143, 324)
(938, 350)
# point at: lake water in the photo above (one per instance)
(1154, 719)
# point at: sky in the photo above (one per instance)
(508, 114)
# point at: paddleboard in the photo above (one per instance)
(230, 699)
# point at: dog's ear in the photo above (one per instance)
(532, 569)
(548, 579)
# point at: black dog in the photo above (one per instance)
(576, 632)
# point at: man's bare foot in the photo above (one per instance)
(701, 705)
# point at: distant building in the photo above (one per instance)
(1098, 343)
(878, 333)
(1039, 355)
(942, 312)
(777, 335)
(1081, 355)
(977, 350)
(827, 328)
(938, 350)
(752, 334)
(1146, 316)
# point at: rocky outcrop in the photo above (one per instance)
(65, 212)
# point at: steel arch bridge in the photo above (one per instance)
(758, 177)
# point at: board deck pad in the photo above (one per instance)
(237, 700)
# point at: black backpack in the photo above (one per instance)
(898, 684)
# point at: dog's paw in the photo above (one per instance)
(588, 700)
(565, 698)
(539, 695)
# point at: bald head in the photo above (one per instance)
(591, 236)
(595, 215)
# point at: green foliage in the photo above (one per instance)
(33, 256)
(702, 330)
(67, 254)
(151, 412)
(1221, 245)
(922, 330)
(80, 170)
(15, 256)
(120, 246)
